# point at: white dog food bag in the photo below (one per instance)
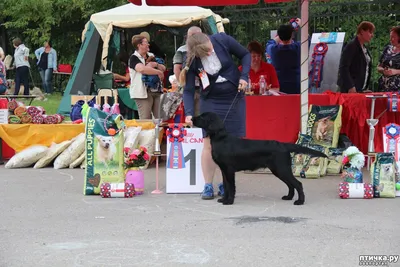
(131, 136)
(52, 153)
(78, 161)
(71, 153)
(104, 150)
(147, 138)
(27, 157)
(324, 124)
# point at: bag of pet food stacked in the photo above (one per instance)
(297, 158)
(104, 150)
(307, 166)
(324, 124)
(383, 175)
(335, 161)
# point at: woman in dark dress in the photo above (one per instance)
(389, 64)
(210, 59)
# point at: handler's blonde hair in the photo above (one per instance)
(198, 45)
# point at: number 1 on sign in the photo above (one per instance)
(191, 156)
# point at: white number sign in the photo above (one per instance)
(184, 174)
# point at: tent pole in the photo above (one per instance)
(304, 66)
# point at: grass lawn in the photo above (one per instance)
(50, 105)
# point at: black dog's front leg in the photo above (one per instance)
(229, 187)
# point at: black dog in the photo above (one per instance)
(233, 154)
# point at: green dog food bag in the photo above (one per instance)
(324, 124)
(383, 176)
(104, 150)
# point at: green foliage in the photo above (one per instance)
(61, 21)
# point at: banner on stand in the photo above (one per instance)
(184, 148)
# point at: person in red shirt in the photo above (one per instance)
(259, 67)
(126, 78)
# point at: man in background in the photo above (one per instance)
(285, 56)
(180, 54)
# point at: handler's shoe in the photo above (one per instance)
(208, 192)
(221, 191)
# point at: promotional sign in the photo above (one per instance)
(184, 148)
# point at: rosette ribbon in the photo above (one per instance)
(175, 134)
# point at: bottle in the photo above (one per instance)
(263, 85)
(268, 58)
(248, 89)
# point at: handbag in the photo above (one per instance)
(77, 108)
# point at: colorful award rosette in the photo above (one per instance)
(392, 134)
(393, 103)
(175, 134)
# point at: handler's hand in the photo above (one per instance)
(242, 85)
(188, 121)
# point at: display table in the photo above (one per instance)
(21, 136)
(278, 117)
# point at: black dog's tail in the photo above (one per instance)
(304, 150)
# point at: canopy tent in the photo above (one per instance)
(129, 16)
(304, 37)
(202, 2)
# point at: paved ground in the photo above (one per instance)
(48, 222)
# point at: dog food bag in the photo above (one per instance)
(324, 124)
(314, 167)
(383, 175)
(104, 150)
(70, 154)
(131, 137)
(335, 158)
(298, 159)
(52, 153)
(27, 157)
(297, 164)
(304, 139)
(147, 138)
(397, 178)
(78, 161)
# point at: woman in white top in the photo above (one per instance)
(142, 63)
(21, 56)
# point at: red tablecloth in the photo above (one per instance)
(278, 117)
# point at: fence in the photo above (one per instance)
(249, 23)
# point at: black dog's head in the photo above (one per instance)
(209, 122)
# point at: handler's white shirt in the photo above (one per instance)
(137, 88)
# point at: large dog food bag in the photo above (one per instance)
(324, 124)
(383, 175)
(314, 167)
(335, 158)
(104, 150)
